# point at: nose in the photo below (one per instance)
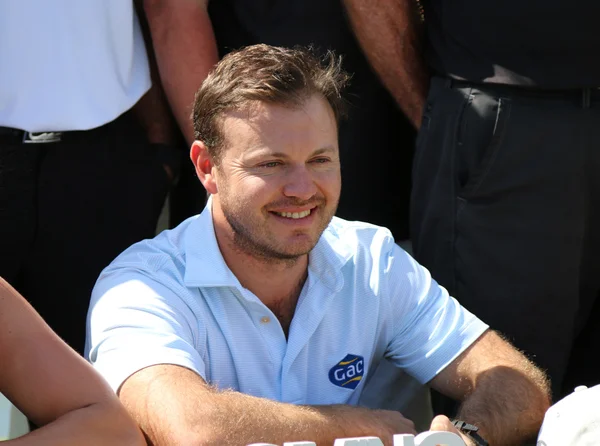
(299, 183)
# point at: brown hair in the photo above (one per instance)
(269, 74)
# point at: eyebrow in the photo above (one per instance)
(284, 155)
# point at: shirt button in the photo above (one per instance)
(265, 319)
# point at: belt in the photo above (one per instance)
(583, 95)
(17, 135)
(168, 154)
(124, 125)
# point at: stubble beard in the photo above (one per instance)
(245, 240)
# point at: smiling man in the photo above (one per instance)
(262, 318)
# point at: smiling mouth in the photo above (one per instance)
(295, 215)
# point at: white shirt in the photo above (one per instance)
(573, 421)
(173, 300)
(69, 64)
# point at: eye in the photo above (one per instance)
(320, 160)
(270, 164)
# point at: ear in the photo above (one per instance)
(205, 168)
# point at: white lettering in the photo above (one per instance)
(300, 443)
(360, 366)
(337, 376)
(358, 441)
(429, 439)
(423, 439)
(351, 371)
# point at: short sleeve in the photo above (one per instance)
(430, 327)
(135, 322)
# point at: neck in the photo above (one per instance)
(276, 282)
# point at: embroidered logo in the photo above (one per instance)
(348, 372)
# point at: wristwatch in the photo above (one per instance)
(471, 431)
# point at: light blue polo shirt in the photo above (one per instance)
(173, 300)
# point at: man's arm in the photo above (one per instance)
(53, 386)
(389, 32)
(185, 49)
(174, 405)
(152, 110)
(503, 393)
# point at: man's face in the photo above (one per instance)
(278, 180)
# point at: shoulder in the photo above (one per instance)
(371, 253)
(358, 236)
(363, 253)
(156, 261)
(369, 246)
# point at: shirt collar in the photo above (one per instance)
(204, 263)
(206, 267)
(327, 258)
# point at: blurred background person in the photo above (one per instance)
(85, 163)
(506, 194)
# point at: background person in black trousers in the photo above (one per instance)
(506, 193)
(83, 168)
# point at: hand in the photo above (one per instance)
(356, 421)
(443, 423)
(384, 424)
(395, 422)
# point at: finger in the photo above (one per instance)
(442, 423)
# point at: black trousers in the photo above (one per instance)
(68, 208)
(505, 212)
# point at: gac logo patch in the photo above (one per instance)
(348, 372)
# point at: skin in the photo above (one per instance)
(501, 391)
(185, 50)
(390, 34)
(152, 110)
(286, 159)
(53, 386)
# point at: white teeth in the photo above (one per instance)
(295, 215)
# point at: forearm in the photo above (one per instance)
(152, 110)
(243, 419)
(232, 418)
(174, 405)
(97, 424)
(185, 50)
(153, 114)
(389, 32)
(507, 405)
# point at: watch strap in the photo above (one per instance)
(471, 431)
